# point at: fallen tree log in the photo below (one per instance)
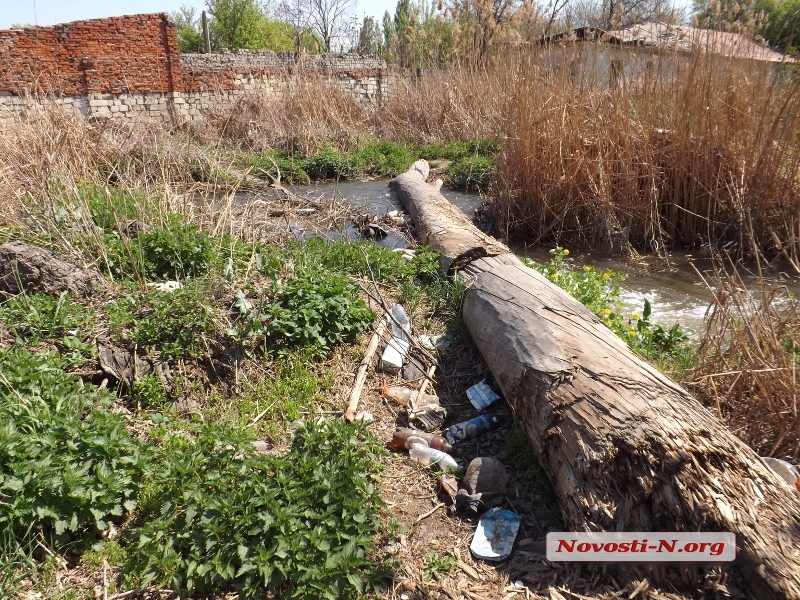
(29, 269)
(625, 448)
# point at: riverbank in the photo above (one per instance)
(241, 352)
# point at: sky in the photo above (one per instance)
(51, 12)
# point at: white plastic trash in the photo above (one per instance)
(786, 471)
(481, 395)
(401, 325)
(394, 355)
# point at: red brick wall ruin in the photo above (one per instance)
(131, 54)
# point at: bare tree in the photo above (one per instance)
(330, 19)
(293, 14)
(612, 14)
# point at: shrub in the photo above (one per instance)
(176, 250)
(471, 172)
(384, 159)
(217, 517)
(329, 164)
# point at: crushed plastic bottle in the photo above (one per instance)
(401, 325)
(467, 430)
(430, 456)
(405, 438)
(403, 395)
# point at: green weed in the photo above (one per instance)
(149, 392)
(178, 324)
(39, 318)
(599, 292)
(384, 159)
(438, 565)
(330, 164)
(268, 165)
(312, 311)
(67, 465)
(218, 517)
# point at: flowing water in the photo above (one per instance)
(675, 290)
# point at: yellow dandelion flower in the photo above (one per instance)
(554, 275)
(606, 311)
(631, 333)
(566, 252)
(636, 316)
(606, 275)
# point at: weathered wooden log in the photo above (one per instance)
(29, 269)
(625, 448)
(439, 223)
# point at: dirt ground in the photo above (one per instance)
(409, 491)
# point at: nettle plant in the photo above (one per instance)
(177, 323)
(309, 310)
(38, 319)
(599, 291)
(68, 466)
(216, 516)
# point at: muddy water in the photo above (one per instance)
(675, 290)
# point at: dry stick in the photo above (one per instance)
(361, 374)
(429, 513)
(389, 314)
(418, 393)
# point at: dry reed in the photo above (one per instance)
(748, 363)
(652, 152)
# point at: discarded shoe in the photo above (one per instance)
(484, 485)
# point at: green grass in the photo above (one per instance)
(472, 163)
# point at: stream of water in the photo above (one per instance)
(675, 290)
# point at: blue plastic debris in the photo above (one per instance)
(495, 535)
(481, 395)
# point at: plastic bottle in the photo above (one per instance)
(402, 395)
(469, 429)
(429, 456)
(405, 437)
(401, 325)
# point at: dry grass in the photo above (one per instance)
(748, 364)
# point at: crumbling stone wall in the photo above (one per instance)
(130, 68)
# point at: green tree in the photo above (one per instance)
(782, 27)
(190, 36)
(747, 17)
(370, 37)
(236, 24)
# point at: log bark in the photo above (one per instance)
(625, 448)
(439, 223)
(26, 268)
